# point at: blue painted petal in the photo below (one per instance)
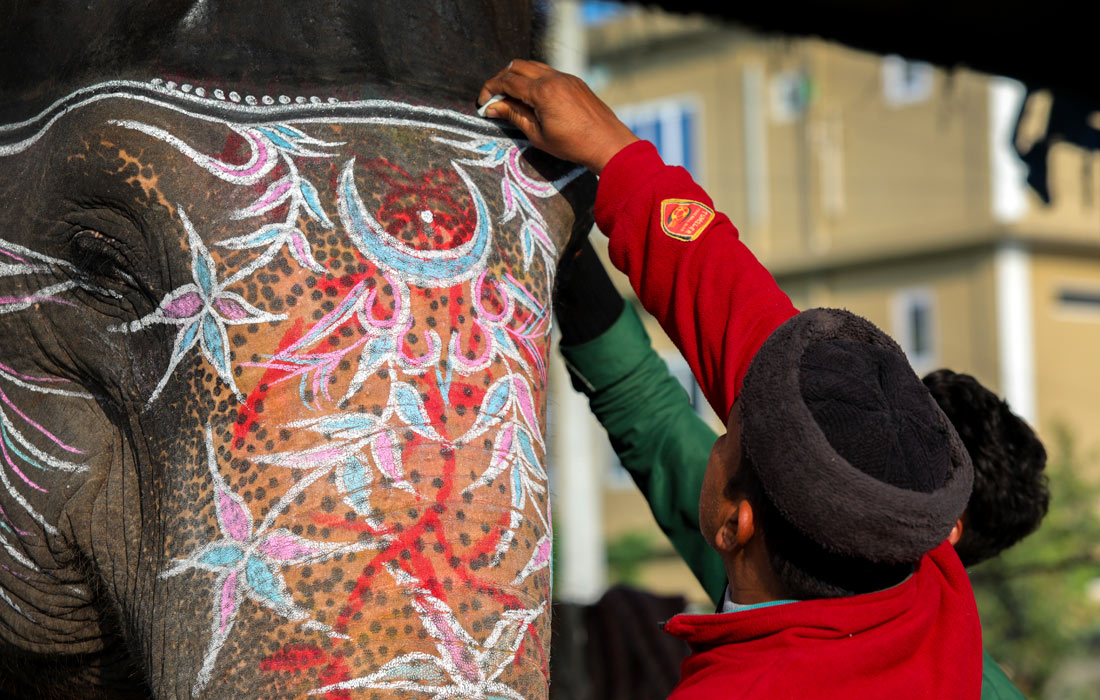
(255, 239)
(378, 350)
(217, 353)
(497, 398)
(411, 409)
(289, 131)
(186, 340)
(411, 670)
(486, 147)
(277, 139)
(224, 555)
(527, 450)
(203, 271)
(445, 383)
(313, 202)
(517, 487)
(356, 486)
(528, 245)
(262, 581)
(351, 425)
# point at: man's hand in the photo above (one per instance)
(558, 113)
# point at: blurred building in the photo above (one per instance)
(887, 187)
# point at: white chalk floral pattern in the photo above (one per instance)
(248, 565)
(202, 310)
(464, 667)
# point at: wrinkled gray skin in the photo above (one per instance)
(271, 374)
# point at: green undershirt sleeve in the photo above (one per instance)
(655, 432)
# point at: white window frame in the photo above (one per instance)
(904, 301)
(780, 109)
(906, 82)
(669, 111)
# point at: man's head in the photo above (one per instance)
(1010, 495)
(838, 471)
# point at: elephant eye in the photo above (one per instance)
(100, 256)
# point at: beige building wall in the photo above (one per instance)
(1067, 345)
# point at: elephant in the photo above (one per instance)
(274, 322)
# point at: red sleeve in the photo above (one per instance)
(689, 268)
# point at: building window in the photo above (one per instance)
(914, 312)
(672, 125)
(1080, 300)
(596, 12)
(905, 82)
(789, 95)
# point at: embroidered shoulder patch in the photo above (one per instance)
(685, 219)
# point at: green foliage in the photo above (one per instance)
(1034, 599)
(626, 554)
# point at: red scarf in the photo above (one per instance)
(919, 639)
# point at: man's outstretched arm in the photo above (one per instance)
(684, 260)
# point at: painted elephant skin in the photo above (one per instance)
(272, 377)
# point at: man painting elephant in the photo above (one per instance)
(272, 372)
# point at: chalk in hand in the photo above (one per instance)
(491, 100)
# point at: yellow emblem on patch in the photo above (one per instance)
(685, 219)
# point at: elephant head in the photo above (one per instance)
(272, 378)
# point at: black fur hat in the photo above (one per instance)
(848, 443)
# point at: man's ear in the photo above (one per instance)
(956, 533)
(738, 526)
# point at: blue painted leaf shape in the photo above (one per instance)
(277, 139)
(185, 340)
(222, 556)
(356, 485)
(260, 237)
(406, 401)
(217, 353)
(506, 345)
(527, 452)
(528, 245)
(313, 202)
(262, 581)
(422, 668)
(348, 426)
(496, 399)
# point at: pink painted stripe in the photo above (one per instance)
(9, 370)
(8, 520)
(21, 475)
(57, 441)
(261, 159)
(313, 334)
(13, 256)
(278, 192)
(20, 300)
(15, 573)
(524, 181)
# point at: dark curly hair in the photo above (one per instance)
(1010, 495)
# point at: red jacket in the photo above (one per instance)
(920, 639)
